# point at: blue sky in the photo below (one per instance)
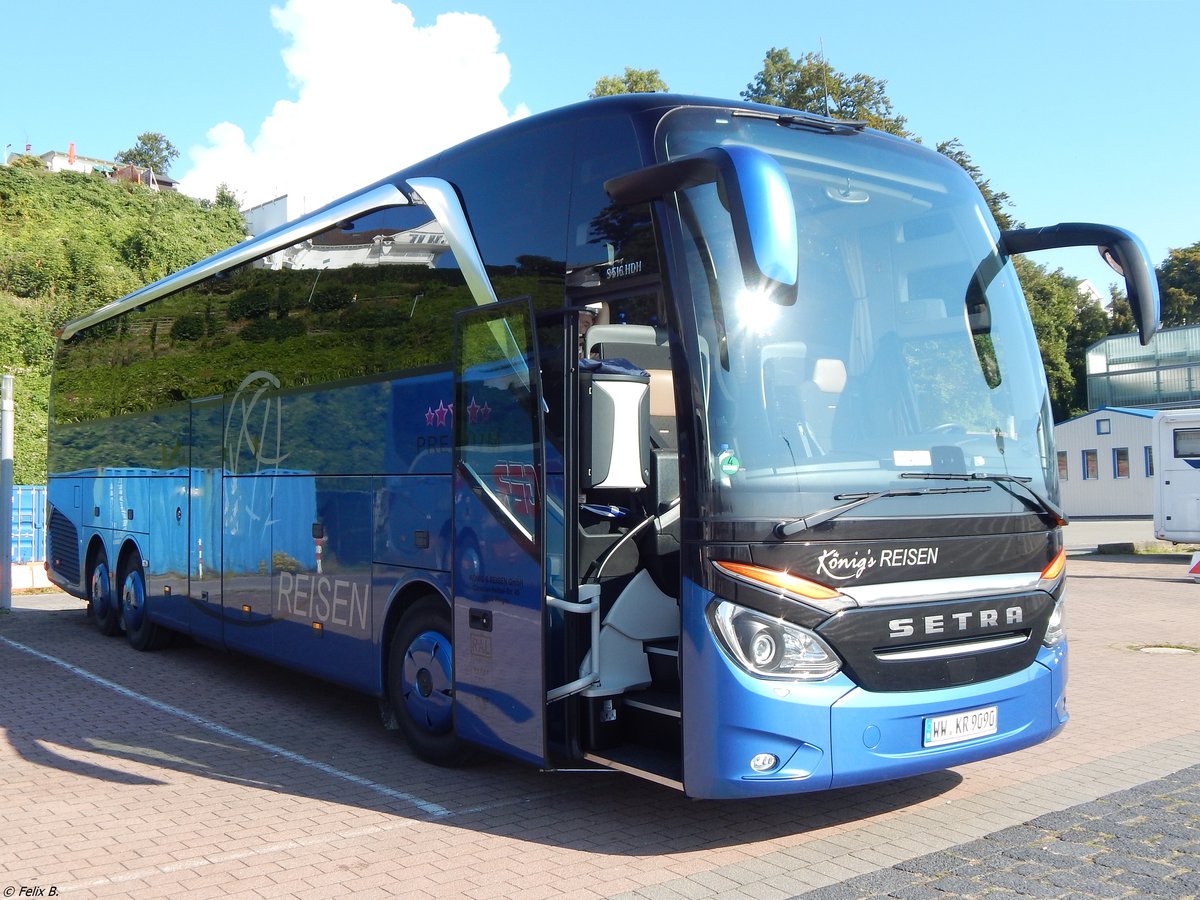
(1081, 111)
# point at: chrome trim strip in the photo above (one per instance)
(496, 502)
(941, 651)
(441, 198)
(277, 239)
(631, 770)
(932, 589)
(650, 707)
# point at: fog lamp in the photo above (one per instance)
(764, 762)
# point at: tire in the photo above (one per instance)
(141, 633)
(421, 683)
(102, 604)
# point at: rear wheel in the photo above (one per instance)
(421, 683)
(141, 633)
(102, 605)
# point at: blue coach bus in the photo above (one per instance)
(704, 441)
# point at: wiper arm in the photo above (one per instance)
(806, 120)
(1050, 509)
(795, 526)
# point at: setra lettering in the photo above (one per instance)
(953, 623)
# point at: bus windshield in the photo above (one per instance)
(908, 354)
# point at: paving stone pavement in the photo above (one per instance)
(192, 773)
(1142, 842)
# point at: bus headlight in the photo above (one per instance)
(1056, 631)
(768, 647)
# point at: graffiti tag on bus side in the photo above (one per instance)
(267, 445)
(262, 413)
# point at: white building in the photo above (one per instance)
(1106, 462)
(70, 161)
(262, 218)
(58, 161)
(422, 246)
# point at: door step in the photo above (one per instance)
(645, 762)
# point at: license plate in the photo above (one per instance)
(941, 730)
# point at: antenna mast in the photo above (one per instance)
(824, 73)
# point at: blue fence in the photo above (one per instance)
(28, 523)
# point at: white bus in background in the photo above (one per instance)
(1177, 475)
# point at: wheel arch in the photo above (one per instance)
(403, 598)
(129, 548)
(96, 546)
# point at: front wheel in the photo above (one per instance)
(421, 683)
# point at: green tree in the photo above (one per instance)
(997, 201)
(1179, 286)
(152, 151)
(1089, 324)
(227, 198)
(69, 243)
(1052, 300)
(1121, 313)
(812, 85)
(634, 81)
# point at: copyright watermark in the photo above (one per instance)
(30, 890)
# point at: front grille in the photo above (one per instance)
(925, 646)
(64, 547)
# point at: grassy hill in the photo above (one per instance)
(70, 243)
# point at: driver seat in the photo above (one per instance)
(820, 396)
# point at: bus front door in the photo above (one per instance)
(499, 527)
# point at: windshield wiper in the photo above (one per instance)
(795, 526)
(1050, 509)
(805, 120)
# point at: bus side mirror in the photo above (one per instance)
(753, 188)
(1120, 248)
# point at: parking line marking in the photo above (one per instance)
(425, 806)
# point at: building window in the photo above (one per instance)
(1104, 426)
(1091, 466)
(1187, 443)
(1148, 456)
(1062, 465)
(1120, 462)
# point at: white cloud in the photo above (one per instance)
(374, 92)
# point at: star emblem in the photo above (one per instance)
(441, 412)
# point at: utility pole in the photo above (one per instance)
(6, 486)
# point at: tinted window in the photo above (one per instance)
(609, 248)
(353, 302)
(516, 190)
(349, 308)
